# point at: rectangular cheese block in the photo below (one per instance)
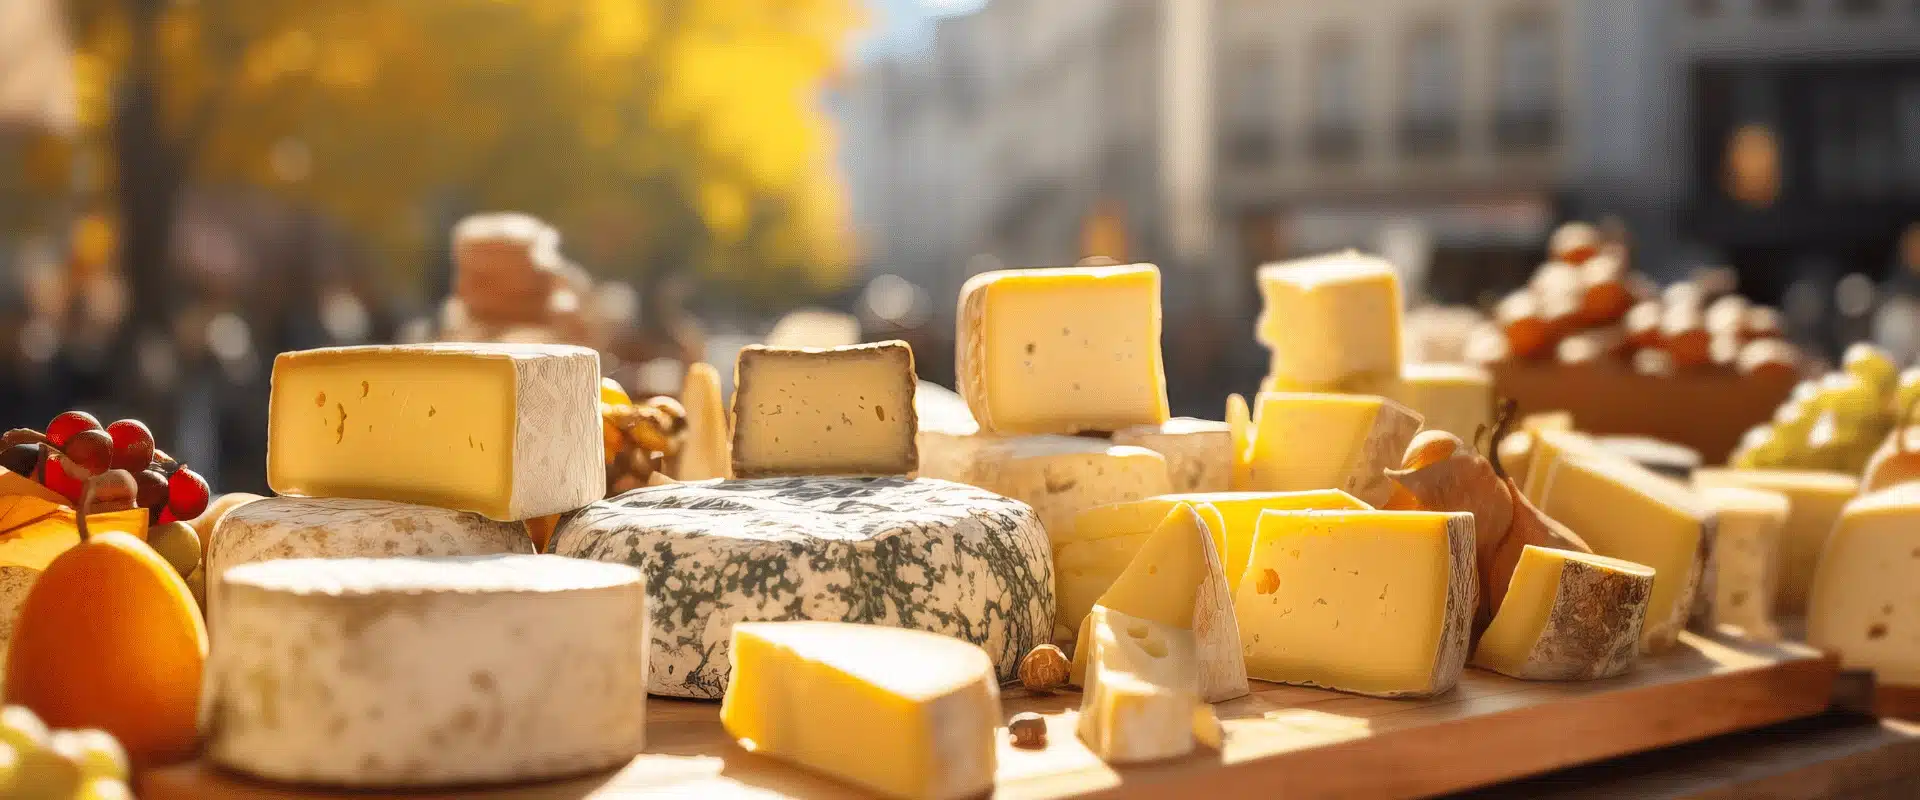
(903, 713)
(948, 437)
(508, 431)
(1456, 398)
(1625, 511)
(1372, 602)
(1329, 441)
(1141, 689)
(1746, 558)
(1567, 616)
(1814, 501)
(824, 411)
(1239, 510)
(1199, 451)
(1062, 350)
(1550, 446)
(1866, 589)
(1060, 476)
(1175, 579)
(1333, 323)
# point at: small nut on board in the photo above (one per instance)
(1044, 669)
(1029, 730)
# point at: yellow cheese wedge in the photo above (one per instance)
(1329, 441)
(1371, 602)
(1175, 579)
(1550, 446)
(1456, 398)
(1240, 424)
(1568, 616)
(926, 706)
(1333, 323)
(1061, 476)
(1814, 501)
(1746, 558)
(1866, 589)
(707, 451)
(1141, 689)
(1062, 350)
(1199, 451)
(833, 411)
(1625, 511)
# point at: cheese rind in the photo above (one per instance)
(1060, 476)
(1141, 689)
(832, 411)
(1062, 350)
(1199, 451)
(1746, 558)
(508, 431)
(1333, 323)
(707, 451)
(1867, 587)
(411, 672)
(1305, 441)
(1372, 602)
(1175, 579)
(1814, 500)
(1456, 398)
(904, 713)
(1567, 617)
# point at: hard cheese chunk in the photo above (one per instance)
(1329, 441)
(1199, 451)
(1549, 446)
(1624, 511)
(1175, 579)
(1060, 476)
(833, 411)
(509, 431)
(949, 440)
(1141, 689)
(1371, 602)
(1867, 587)
(1062, 350)
(1567, 616)
(1746, 558)
(1814, 502)
(903, 713)
(1456, 398)
(1333, 323)
(420, 672)
(707, 451)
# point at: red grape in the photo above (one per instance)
(187, 493)
(132, 445)
(67, 424)
(153, 489)
(91, 449)
(166, 516)
(62, 481)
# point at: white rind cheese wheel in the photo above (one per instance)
(416, 672)
(922, 554)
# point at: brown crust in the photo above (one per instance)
(1596, 632)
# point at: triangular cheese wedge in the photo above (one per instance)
(707, 451)
(1176, 580)
(1141, 696)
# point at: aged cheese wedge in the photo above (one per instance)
(1746, 558)
(1199, 451)
(1456, 398)
(1062, 350)
(1141, 689)
(1627, 512)
(1329, 441)
(903, 713)
(1060, 476)
(509, 431)
(1568, 617)
(833, 411)
(421, 672)
(1814, 501)
(1371, 602)
(1867, 587)
(1550, 446)
(1333, 323)
(707, 451)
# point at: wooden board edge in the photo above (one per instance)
(1897, 702)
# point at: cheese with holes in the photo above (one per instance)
(1142, 689)
(902, 713)
(1746, 558)
(707, 448)
(1567, 617)
(1814, 502)
(1329, 441)
(1866, 590)
(508, 431)
(1372, 602)
(329, 527)
(923, 554)
(1456, 398)
(832, 411)
(1333, 323)
(1062, 350)
(1175, 579)
(419, 672)
(1061, 476)
(1625, 511)
(1199, 451)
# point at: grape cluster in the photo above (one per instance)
(58, 765)
(75, 448)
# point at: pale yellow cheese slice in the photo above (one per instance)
(1141, 689)
(1814, 502)
(1865, 599)
(1307, 441)
(1567, 616)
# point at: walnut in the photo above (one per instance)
(1044, 668)
(1029, 730)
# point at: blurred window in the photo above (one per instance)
(1432, 86)
(1779, 8)
(1528, 82)
(1704, 8)
(1861, 8)
(1336, 98)
(1250, 111)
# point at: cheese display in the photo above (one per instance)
(1142, 689)
(1061, 476)
(508, 431)
(948, 439)
(1240, 425)
(1627, 512)
(902, 713)
(1175, 579)
(1746, 558)
(1199, 451)
(1328, 441)
(1567, 616)
(1333, 323)
(1062, 350)
(1456, 398)
(1867, 586)
(924, 554)
(1814, 502)
(1672, 460)
(834, 411)
(415, 672)
(1549, 446)
(1371, 602)
(707, 451)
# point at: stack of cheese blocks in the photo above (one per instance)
(384, 622)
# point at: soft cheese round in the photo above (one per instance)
(415, 672)
(924, 554)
